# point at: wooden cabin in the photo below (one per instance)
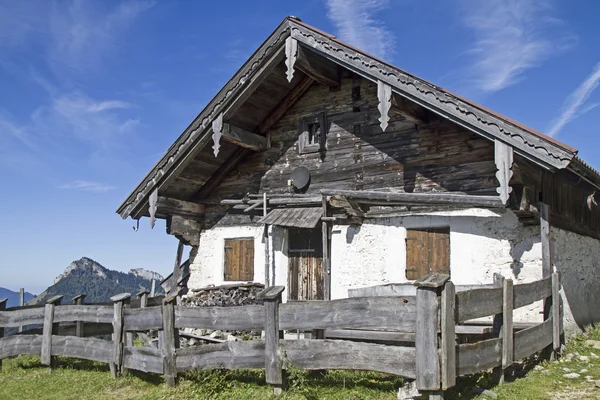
(324, 169)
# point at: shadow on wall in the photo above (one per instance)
(518, 247)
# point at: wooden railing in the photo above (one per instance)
(430, 318)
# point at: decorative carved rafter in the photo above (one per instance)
(153, 205)
(217, 127)
(504, 162)
(384, 94)
(291, 54)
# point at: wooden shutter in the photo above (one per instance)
(239, 259)
(427, 251)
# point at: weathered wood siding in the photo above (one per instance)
(433, 156)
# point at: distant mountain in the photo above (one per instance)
(99, 283)
(13, 297)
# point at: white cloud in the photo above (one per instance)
(575, 105)
(511, 36)
(356, 24)
(88, 186)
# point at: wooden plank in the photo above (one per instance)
(527, 293)
(480, 356)
(507, 324)
(142, 319)
(172, 206)
(243, 138)
(249, 317)
(85, 348)
(145, 359)
(229, 355)
(433, 280)
(386, 313)
(440, 198)
(84, 313)
(426, 344)
(326, 257)
(375, 336)
(340, 354)
(201, 337)
(448, 329)
(117, 336)
(556, 317)
(15, 345)
(22, 317)
(46, 350)
(168, 345)
(478, 303)
(273, 356)
(530, 341)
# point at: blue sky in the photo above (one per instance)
(93, 93)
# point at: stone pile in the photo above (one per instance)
(231, 295)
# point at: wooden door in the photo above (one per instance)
(239, 259)
(427, 251)
(305, 275)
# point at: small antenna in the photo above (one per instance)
(137, 225)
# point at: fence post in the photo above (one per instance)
(448, 328)
(273, 359)
(168, 343)
(143, 296)
(556, 314)
(2, 307)
(426, 344)
(117, 336)
(153, 290)
(79, 300)
(508, 301)
(49, 329)
(21, 303)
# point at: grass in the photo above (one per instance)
(24, 377)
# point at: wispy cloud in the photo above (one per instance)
(575, 105)
(88, 186)
(511, 36)
(356, 24)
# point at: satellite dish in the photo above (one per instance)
(300, 177)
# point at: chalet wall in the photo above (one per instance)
(483, 242)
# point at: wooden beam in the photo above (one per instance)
(409, 110)
(284, 105)
(318, 68)
(168, 206)
(243, 138)
(349, 205)
(186, 230)
(221, 173)
(439, 198)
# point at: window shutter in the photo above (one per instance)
(427, 251)
(239, 260)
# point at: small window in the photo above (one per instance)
(427, 252)
(312, 134)
(239, 259)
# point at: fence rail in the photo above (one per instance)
(422, 327)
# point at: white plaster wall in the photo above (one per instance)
(482, 242)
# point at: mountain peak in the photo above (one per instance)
(84, 264)
(145, 274)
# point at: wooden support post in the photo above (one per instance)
(153, 290)
(117, 336)
(547, 269)
(556, 313)
(79, 300)
(49, 329)
(326, 255)
(273, 359)
(2, 307)
(508, 301)
(21, 303)
(426, 344)
(448, 328)
(168, 344)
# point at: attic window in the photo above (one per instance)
(312, 134)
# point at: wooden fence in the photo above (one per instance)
(430, 317)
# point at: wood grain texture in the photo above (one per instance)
(224, 318)
(527, 293)
(229, 355)
(479, 356)
(374, 336)
(12, 346)
(448, 340)
(556, 316)
(46, 350)
(168, 344)
(117, 336)
(273, 356)
(531, 340)
(83, 313)
(507, 323)
(145, 359)
(142, 319)
(426, 344)
(25, 316)
(478, 303)
(340, 354)
(84, 348)
(385, 313)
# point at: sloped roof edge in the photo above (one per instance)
(541, 149)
